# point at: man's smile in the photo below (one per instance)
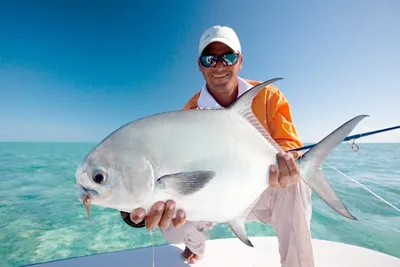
(219, 76)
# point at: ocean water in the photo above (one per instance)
(42, 220)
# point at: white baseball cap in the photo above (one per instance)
(222, 34)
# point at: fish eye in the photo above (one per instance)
(99, 178)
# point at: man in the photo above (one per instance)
(286, 204)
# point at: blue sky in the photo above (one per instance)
(75, 72)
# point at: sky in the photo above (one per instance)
(76, 71)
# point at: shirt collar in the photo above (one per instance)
(206, 101)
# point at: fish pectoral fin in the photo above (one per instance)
(238, 228)
(185, 183)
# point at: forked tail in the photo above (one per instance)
(311, 162)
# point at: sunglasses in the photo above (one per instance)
(226, 59)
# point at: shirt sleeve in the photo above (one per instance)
(187, 106)
(192, 103)
(280, 123)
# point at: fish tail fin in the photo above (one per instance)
(311, 163)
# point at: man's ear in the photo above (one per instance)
(240, 61)
(199, 64)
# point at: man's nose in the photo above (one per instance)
(219, 64)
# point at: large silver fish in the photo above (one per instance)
(213, 163)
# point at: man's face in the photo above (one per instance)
(220, 78)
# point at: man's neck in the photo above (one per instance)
(225, 99)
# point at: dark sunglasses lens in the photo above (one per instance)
(207, 61)
(231, 59)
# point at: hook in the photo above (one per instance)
(354, 146)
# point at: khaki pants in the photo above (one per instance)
(288, 210)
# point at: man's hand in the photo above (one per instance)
(288, 172)
(160, 215)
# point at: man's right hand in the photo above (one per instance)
(160, 215)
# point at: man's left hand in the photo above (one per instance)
(288, 172)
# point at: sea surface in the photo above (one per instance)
(42, 220)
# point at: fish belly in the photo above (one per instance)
(218, 141)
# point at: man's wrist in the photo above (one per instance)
(127, 219)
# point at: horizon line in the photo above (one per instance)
(363, 142)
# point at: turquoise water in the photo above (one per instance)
(42, 220)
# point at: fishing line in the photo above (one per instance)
(387, 202)
(152, 246)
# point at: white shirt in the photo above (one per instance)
(206, 101)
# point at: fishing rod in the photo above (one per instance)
(352, 137)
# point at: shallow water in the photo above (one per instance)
(42, 220)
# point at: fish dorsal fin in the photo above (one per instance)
(243, 103)
(242, 106)
(252, 119)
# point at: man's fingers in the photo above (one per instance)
(284, 173)
(180, 219)
(295, 154)
(168, 213)
(154, 217)
(137, 215)
(293, 168)
(273, 176)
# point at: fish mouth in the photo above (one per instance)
(89, 192)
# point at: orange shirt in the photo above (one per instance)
(273, 111)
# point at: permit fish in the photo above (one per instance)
(214, 163)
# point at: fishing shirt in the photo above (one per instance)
(270, 107)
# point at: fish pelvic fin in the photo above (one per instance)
(242, 106)
(311, 163)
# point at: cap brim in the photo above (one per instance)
(226, 42)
